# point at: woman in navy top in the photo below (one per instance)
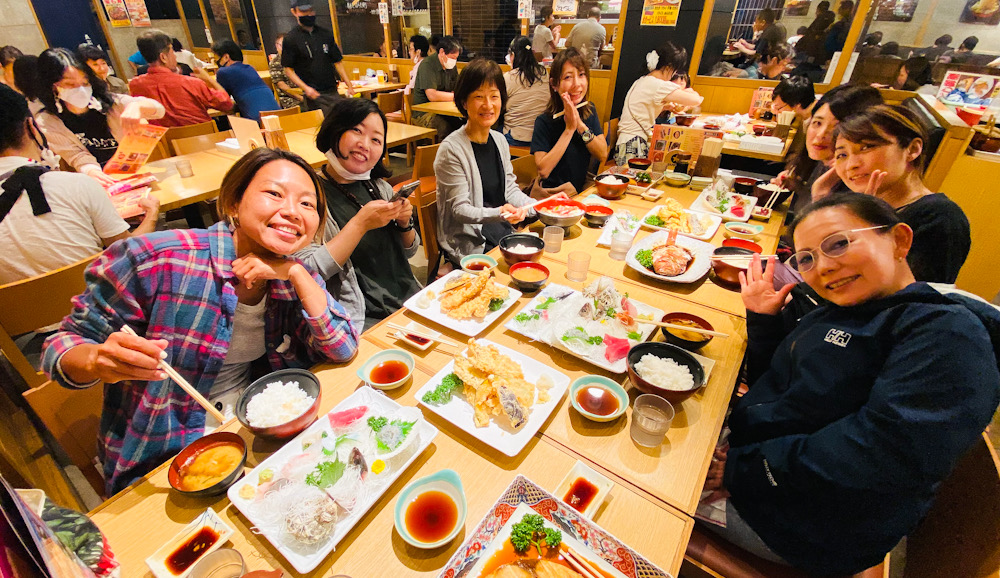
(242, 81)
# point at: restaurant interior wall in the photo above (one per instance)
(20, 27)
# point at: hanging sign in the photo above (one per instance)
(564, 7)
(524, 9)
(397, 7)
(117, 13)
(383, 12)
(660, 12)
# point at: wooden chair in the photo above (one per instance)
(525, 170)
(178, 132)
(73, 417)
(407, 108)
(256, 59)
(520, 152)
(611, 133)
(282, 112)
(193, 144)
(37, 302)
(301, 121)
(424, 201)
(391, 103)
(423, 164)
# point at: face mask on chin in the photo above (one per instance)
(308, 21)
(449, 63)
(78, 97)
(343, 172)
(510, 60)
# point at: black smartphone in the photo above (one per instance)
(405, 191)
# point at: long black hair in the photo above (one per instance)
(344, 115)
(52, 65)
(524, 62)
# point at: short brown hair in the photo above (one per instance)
(876, 124)
(478, 73)
(238, 178)
(569, 56)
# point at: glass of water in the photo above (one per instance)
(651, 419)
(621, 242)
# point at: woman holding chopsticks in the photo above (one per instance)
(219, 306)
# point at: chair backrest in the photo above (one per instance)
(407, 108)
(518, 152)
(37, 302)
(282, 111)
(960, 536)
(194, 144)
(611, 133)
(877, 69)
(175, 132)
(390, 101)
(425, 204)
(423, 164)
(73, 417)
(525, 170)
(301, 121)
(255, 58)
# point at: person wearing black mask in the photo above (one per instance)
(312, 60)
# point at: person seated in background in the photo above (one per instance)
(137, 63)
(477, 194)
(419, 48)
(836, 35)
(82, 120)
(8, 54)
(186, 57)
(245, 42)
(881, 151)
(545, 38)
(527, 92)
(962, 54)
(74, 218)
(827, 467)
(564, 146)
(771, 33)
(932, 53)
(799, 33)
(242, 81)
(367, 240)
(222, 306)
(436, 78)
(434, 41)
(186, 99)
(889, 50)
(771, 66)
(25, 71)
(648, 96)
(809, 49)
(589, 37)
(286, 98)
(803, 170)
(97, 60)
(913, 74)
(795, 93)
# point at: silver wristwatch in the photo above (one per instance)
(587, 136)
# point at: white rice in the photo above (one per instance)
(520, 249)
(609, 180)
(278, 403)
(664, 373)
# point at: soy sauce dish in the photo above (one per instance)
(387, 369)
(431, 511)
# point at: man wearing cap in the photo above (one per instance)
(312, 60)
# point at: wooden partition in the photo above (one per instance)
(971, 183)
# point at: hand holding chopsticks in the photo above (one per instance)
(179, 380)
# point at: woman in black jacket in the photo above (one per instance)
(855, 417)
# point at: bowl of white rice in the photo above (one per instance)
(664, 370)
(281, 404)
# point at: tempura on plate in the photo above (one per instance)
(494, 384)
(472, 296)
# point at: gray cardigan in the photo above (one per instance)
(341, 280)
(460, 194)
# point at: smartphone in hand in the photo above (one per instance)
(405, 191)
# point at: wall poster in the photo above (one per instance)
(138, 13)
(117, 13)
(981, 12)
(564, 7)
(797, 7)
(896, 10)
(660, 12)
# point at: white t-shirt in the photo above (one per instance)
(82, 215)
(188, 57)
(540, 42)
(524, 104)
(643, 104)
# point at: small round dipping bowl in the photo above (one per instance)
(744, 185)
(445, 481)
(748, 231)
(676, 179)
(758, 129)
(477, 263)
(743, 243)
(586, 381)
(611, 191)
(664, 351)
(223, 563)
(525, 285)
(639, 164)
(189, 453)
(365, 373)
(729, 271)
(307, 382)
(685, 119)
(521, 239)
(597, 215)
(674, 339)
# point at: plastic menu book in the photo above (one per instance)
(134, 150)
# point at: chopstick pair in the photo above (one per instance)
(179, 380)
(771, 200)
(686, 328)
(528, 206)
(562, 112)
(581, 564)
(423, 334)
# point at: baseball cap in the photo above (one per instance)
(302, 4)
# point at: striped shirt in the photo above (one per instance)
(179, 286)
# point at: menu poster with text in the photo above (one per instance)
(524, 10)
(968, 88)
(660, 12)
(761, 102)
(668, 138)
(564, 7)
(117, 13)
(134, 149)
(138, 13)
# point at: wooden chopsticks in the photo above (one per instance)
(580, 564)
(685, 328)
(422, 332)
(179, 380)
(562, 112)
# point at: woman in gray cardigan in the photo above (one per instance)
(477, 194)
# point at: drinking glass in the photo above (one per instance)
(651, 418)
(184, 168)
(577, 263)
(553, 237)
(621, 242)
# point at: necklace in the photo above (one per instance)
(350, 196)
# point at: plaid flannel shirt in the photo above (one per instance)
(179, 286)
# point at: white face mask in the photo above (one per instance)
(343, 172)
(510, 60)
(78, 97)
(450, 63)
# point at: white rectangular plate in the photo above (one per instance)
(700, 204)
(470, 327)
(498, 434)
(553, 290)
(713, 226)
(363, 396)
(698, 268)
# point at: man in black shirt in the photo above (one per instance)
(436, 80)
(312, 60)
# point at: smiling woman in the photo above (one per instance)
(208, 302)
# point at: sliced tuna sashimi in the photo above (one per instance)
(615, 348)
(345, 419)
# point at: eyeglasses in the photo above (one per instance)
(833, 246)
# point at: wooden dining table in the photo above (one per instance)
(446, 108)
(656, 491)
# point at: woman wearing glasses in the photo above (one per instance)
(880, 152)
(855, 417)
